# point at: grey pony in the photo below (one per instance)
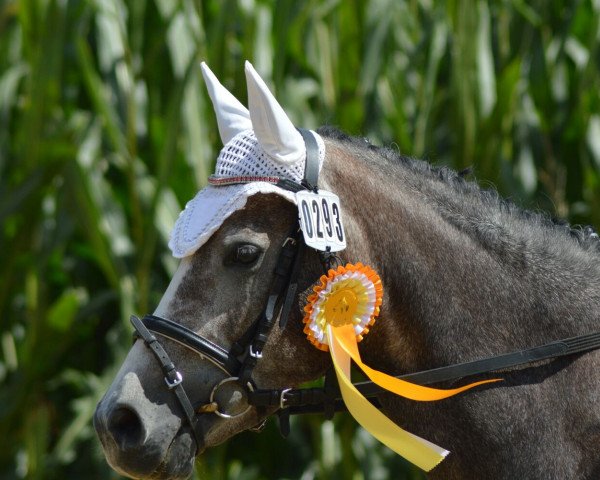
(466, 275)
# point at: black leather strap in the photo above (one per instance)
(292, 287)
(311, 180)
(173, 378)
(240, 346)
(560, 348)
(311, 167)
(195, 342)
(290, 185)
(282, 273)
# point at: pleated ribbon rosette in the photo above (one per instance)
(339, 313)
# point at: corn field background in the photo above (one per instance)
(106, 131)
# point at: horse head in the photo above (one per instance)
(229, 239)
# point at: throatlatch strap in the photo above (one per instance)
(173, 378)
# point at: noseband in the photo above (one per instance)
(238, 362)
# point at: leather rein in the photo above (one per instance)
(239, 362)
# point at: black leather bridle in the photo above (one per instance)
(238, 362)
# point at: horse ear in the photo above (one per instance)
(274, 130)
(232, 116)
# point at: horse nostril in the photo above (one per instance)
(125, 427)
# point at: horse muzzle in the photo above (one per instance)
(143, 439)
(143, 426)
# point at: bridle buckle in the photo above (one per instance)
(176, 381)
(290, 240)
(257, 354)
(282, 398)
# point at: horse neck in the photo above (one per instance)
(463, 278)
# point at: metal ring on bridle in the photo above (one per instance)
(219, 385)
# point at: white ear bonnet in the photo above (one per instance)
(261, 146)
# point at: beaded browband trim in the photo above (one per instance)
(284, 183)
(218, 181)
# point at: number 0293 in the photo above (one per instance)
(321, 220)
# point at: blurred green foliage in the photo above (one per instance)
(106, 131)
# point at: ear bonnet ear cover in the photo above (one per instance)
(261, 147)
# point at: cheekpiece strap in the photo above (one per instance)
(262, 328)
(284, 289)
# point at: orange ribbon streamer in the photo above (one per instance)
(347, 339)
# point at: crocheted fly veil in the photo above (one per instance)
(261, 147)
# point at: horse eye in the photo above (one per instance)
(245, 254)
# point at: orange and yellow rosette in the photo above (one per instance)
(339, 313)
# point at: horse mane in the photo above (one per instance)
(586, 236)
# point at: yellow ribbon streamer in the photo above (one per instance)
(416, 450)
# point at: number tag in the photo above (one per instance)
(321, 220)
